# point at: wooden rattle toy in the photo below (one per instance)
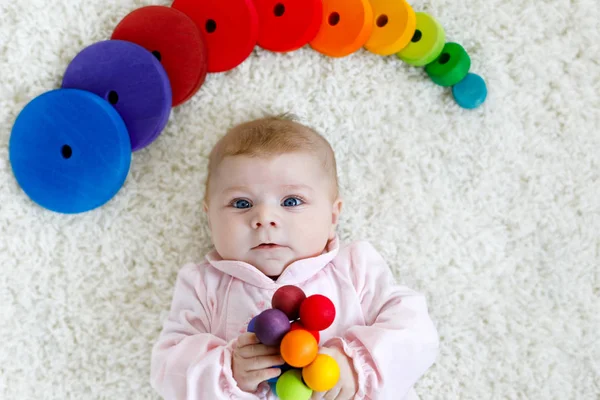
(305, 370)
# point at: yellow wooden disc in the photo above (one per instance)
(393, 28)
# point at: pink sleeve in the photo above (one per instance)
(188, 362)
(398, 342)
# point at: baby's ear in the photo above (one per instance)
(335, 216)
(205, 209)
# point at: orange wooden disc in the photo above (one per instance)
(346, 27)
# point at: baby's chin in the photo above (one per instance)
(270, 267)
(272, 264)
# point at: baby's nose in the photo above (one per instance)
(264, 216)
(259, 223)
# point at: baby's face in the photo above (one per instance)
(271, 212)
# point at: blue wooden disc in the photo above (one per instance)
(130, 78)
(70, 151)
(471, 92)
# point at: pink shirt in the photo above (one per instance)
(385, 328)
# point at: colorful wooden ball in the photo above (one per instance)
(70, 151)
(287, 25)
(230, 29)
(395, 24)
(290, 386)
(270, 326)
(427, 42)
(322, 374)
(471, 92)
(131, 79)
(299, 348)
(298, 325)
(317, 313)
(345, 27)
(288, 299)
(175, 41)
(450, 67)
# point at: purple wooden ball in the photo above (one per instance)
(271, 326)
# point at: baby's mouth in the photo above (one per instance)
(266, 246)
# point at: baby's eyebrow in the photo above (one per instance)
(285, 188)
(298, 187)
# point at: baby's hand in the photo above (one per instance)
(252, 362)
(347, 385)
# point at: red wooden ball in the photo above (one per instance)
(317, 313)
(288, 299)
(298, 325)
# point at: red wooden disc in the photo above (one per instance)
(287, 25)
(230, 29)
(175, 40)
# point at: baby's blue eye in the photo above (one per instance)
(241, 204)
(292, 202)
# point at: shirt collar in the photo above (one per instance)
(297, 272)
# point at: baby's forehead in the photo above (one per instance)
(287, 169)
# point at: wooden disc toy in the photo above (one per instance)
(230, 29)
(471, 92)
(174, 40)
(70, 151)
(451, 66)
(287, 25)
(345, 28)
(427, 42)
(394, 27)
(131, 79)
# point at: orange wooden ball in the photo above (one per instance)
(299, 348)
(298, 325)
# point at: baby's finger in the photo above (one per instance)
(333, 394)
(257, 350)
(317, 395)
(247, 339)
(344, 395)
(264, 374)
(258, 363)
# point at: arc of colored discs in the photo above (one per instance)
(158, 57)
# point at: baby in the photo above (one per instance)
(273, 205)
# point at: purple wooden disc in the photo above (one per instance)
(131, 79)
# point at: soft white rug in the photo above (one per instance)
(493, 213)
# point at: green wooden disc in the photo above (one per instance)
(451, 66)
